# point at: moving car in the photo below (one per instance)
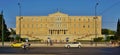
(20, 44)
(17, 44)
(73, 44)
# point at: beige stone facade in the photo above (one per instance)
(58, 26)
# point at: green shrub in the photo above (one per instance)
(99, 39)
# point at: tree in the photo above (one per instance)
(109, 38)
(108, 32)
(118, 30)
(98, 39)
(13, 32)
(17, 38)
(6, 32)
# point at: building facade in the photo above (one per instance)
(58, 27)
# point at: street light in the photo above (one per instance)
(96, 21)
(19, 19)
(2, 29)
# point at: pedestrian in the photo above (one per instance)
(119, 44)
(51, 42)
(48, 41)
(91, 42)
(24, 46)
(29, 44)
(55, 41)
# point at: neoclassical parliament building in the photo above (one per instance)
(58, 26)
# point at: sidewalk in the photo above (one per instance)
(62, 45)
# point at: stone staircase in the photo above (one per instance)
(86, 37)
(32, 37)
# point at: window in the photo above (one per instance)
(23, 25)
(27, 32)
(36, 25)
(84, 19)
(70, 19)
(37, 19)
(46, 25)
(88, 26)
(32, 19)
(79, 25)
(74, 19)
(32, 32)
(32, 25)
(40, 25)
(74, 32)
(51, 24)
(59, 18)
(28, 25)
(40, 19)
(57, 25)
(79, 19)
(46, 19)
(88, 20)
(74, 25)
(83, 26)
(22, 32)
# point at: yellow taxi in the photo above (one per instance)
(17, 44)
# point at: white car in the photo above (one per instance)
(73, 44)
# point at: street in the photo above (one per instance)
(63, 51)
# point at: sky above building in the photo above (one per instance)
(108, 9)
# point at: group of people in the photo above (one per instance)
(115, 43)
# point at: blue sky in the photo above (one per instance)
(108, 9)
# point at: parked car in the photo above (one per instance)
(73, 44)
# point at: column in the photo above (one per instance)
(58, 32)
(64, 31)
(51, 32)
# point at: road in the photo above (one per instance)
(63, 51)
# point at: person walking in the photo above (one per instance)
(51, 43)
(48, 41)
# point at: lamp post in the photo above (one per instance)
(2, 29)
(19, 19)
(96, 22)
